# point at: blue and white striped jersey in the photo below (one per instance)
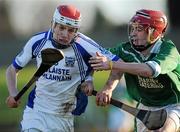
(55, 89)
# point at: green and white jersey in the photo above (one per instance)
(164, 87)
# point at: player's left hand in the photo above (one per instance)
(87, 87)
(99, 62)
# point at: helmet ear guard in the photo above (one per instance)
(153, 35)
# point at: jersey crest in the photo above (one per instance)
(69, 61)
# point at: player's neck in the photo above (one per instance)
(146, 52)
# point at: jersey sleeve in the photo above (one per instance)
(168, 57)
(92, 48)
(24, 56)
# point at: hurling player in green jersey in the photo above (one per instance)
(151, 67)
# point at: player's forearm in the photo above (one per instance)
(141, 69)
(113, 80)
(11, 80)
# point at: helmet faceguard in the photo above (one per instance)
(153, 22)
(65, 15)
(139, 42)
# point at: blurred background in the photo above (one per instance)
(103, 20)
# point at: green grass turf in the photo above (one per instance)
(7, 115)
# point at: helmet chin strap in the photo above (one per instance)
(141, 48)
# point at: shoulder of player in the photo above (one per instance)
(84, 40)
(37, 41)
(124, 46)
(167, 47)
(167, 43)
(39, 36)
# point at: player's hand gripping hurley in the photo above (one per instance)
(153, 120)
(49, 58)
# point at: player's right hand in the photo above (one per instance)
(11, 103)
(87, 87)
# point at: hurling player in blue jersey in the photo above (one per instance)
(55, 98)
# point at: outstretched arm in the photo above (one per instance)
(11, 79)
(141, 69)
(103, 97)
(100, 62)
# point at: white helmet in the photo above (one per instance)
(67, 15)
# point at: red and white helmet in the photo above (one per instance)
(156, 20)
(67, 15)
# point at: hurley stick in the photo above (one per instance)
(153, 120)
(49, 58)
